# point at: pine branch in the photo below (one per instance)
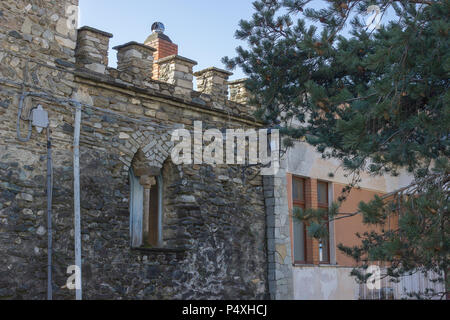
(405, 191)
(421, 2)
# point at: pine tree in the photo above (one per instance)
(375, 98)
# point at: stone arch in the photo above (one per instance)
(153, 146)
(145, 151)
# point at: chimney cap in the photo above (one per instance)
(134, 43)
(158, 27)
(90, 29)
(238, 81)
(178, 58)
(215, 70)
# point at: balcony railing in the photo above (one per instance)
(410, 286)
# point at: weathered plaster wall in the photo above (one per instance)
(304, 160)
(345, 229)
(334, 281)
(324, 283)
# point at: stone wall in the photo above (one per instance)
(278, 235)
(214, 227)
(213, 81)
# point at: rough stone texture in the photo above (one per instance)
(214, 228)
(135, 60)
(177, 70)
(164, 48)
(278, 236)
(92, 49)
(213, 81)
(240, 94)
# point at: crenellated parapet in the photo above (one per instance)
(92, 49)
(156, 65)
(148, 219)
(135, 62)
(213, 81)
(239, 93)
(177, 71)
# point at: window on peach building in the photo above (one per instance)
(299, 228)
(307, 250)
(323, 203)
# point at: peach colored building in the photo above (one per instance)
(305, 268)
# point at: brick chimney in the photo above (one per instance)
(163, 45)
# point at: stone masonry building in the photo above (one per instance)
(206, 232)
(151, 229)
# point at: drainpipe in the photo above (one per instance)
(39, 119)
(42, 123)
(76, 173)
(49, 215)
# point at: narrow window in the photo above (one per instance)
(155, 216)
(323, 203)
(298, 195)
(145, 210)
(136, 210)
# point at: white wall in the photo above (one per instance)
(304, 160)
(324, 283)
(335, 283)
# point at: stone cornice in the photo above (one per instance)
(107, 82)
(176, 57)
(103, 33)
(214, 69)
(134, 43)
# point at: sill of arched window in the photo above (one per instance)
(309, 265)
(158, 249)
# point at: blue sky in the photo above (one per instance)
(203, 29)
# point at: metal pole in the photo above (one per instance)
(76, 171)
(49, 215)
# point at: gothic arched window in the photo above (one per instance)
(146, 188)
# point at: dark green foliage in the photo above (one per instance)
(376, 99)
